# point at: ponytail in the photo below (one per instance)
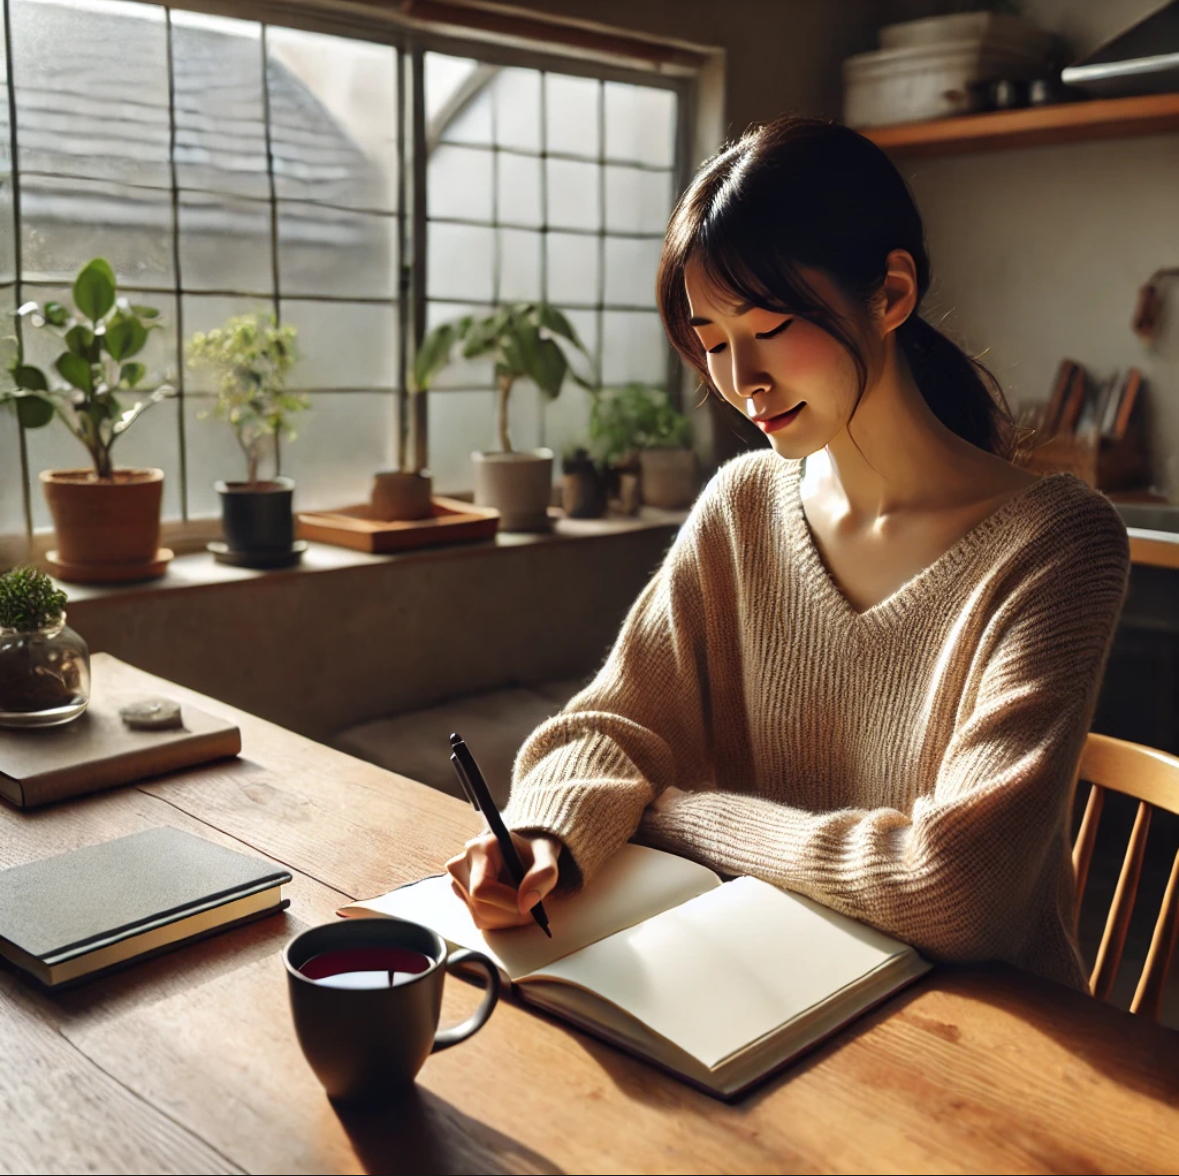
(960, 391)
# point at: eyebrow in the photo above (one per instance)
(698, 321)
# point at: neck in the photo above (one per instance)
(894, 455)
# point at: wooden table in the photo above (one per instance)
(188, 1063)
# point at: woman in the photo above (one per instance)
(867, 666)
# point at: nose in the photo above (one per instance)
(749, 378)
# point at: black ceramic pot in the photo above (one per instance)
(257, 519)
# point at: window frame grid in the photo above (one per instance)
(410, 293)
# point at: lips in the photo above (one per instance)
(774, 423)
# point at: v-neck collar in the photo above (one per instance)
(910, 594)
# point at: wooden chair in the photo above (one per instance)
(1152, 778)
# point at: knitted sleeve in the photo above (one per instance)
(587, 774)
(953, 877)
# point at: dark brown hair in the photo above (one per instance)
(808, 192)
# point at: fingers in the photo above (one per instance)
(541, 875)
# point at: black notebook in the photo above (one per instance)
(68, 917)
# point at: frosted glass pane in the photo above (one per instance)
(640, 124)
(220, 134)
(460, 423)
(571, 115)
(631, 264)
(344, 439)
(566, 422)
(224, 244)
(213, 455)
(64, 223)
(92, 89)
(458, 183)
(333, 112)
(634, 347)
(460, 373)
(637, 201)
(519, 189)
(12, 509)
(573, 261)
(336, 251)
(7, 231)
(203, 312)
(448, 82)
(153, 442)
(343, 344)
(519, 265)
(517, 109)
(573, 194)
(458, 262)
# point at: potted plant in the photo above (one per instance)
(251, 355)
(522, 341)
(407, 492)
(636, 424)
(44, 664)
(583, 487)
(107, 519)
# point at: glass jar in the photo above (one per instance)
(44, 676)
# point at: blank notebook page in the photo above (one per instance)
(724, 969)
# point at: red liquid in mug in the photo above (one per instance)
(366, 967)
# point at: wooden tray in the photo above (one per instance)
(354, 526)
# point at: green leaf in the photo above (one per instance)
(549, 368)
(76, 370)
(80, 340)
(34, 412)
(148, 312)
(433, 356)
(33, 379)
(556, 322)
(131, 373)
(125, 337)
(94, 289)
(57, 314)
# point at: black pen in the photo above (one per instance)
(478, 794)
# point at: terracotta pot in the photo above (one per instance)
(113, 520)
(519, 485)
(670, 477)
(400, 495)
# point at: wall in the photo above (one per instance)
(1039, 253)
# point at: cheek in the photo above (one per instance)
(808, 358)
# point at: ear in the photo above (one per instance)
(899, 291)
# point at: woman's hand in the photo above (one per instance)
(478, 876)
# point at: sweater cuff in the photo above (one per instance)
(592, 818)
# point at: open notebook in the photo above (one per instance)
(720, 983)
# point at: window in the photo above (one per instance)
(225, 165)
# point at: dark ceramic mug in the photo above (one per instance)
(371, 1042)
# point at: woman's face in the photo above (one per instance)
(790, 377)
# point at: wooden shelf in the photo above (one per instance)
(1001, 130)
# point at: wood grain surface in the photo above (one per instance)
(189, 1062)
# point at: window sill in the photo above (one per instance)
(199, 569)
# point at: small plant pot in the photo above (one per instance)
(519, 485)
(400, 496)
(258, 523)
(44, 676)
(583, 493)
(670, 477)
(622, 489)
(107, 528)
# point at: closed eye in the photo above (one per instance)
(776, 331)
(717, 349)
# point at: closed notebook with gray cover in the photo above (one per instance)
(98, 750)
(719, 982)
(71, 916)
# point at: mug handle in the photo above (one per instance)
(445, 1038)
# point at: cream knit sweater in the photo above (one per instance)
(910, 766)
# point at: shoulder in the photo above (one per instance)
(750, 479)
(1067, 517)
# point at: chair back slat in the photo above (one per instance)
(1109, 954)
(1087, 838)
(1148, 999)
